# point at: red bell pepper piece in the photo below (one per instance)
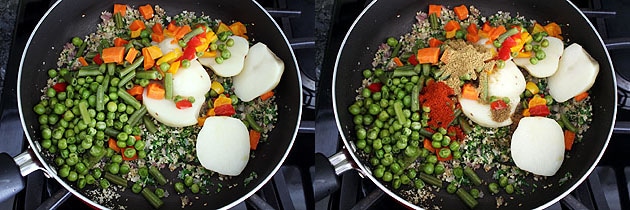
(509, 42)
(375, 87)
(194, 42)
(498, 105)
(60, 87)
(189, 53)
(183, 104)
(412, 60)
(224, 110)
(540, 110)
(97, 59)
(504, 53)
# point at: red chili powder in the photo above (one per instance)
(437, 96)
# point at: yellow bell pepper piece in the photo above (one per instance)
(154, 51)
(538, 28)
(174, 67)
(210, 38)
(170, 56)
(217, 87)
(537, 101)
(451, 34)
(209, 54)
(532, 87)
(222, 100)
(526, 113)
(211, 113)
(136, 33)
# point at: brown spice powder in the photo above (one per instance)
(461, 58)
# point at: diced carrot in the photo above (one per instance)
(131, 55)
(148, 61)
(437, 9)
(146, 11)
(496, 32)
(155, 91)
(238, 28)
(157, 37)
(433, 42)
(119, 42)
(135, 90)
(428, 55)
(112, 144)
(569, 138)
(486, 27)
(201, 121)
(172, 27)
(137, 25)
(157, 28)
(581, 96)
(113, 54)
(138, 97)
(470, 92)
(83, 61)
(553, 29)
(254, 138)
(452, 25)
(266, 95)
(182, 31)
(397, 61)
(461, 12)
(472, 29)
(427, 145)
(122, 8)
(137, 137)
(473, 38)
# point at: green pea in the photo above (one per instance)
(111, 106)
(418, 183)
(136, 188)
(194, 188)
(396, 183)
(76, 41)
(116, 159)
(72, 176)
(229, 42)
(428, 168)
(444, 153)
(143, 172)
(533, 60)
(439, 168)
(437, 137)
(129, 152)
(392, 42)
(432, 159)
(387, 176)
(509, 189)
(361, 134)
(179, 187)
(96, 173)
(50, 92)
(436, 144)
(226, 54)
(104, 183)
(80, 168)
(474, 192)
(540, 55)
(544, 43)
(454, 146)
(451, 188)
(124, 168)
(89, 179)
(219, 59)
(457, 155)
(159, 192)
(379, 172)
(64, 171)
(367, 73)
(493, 187)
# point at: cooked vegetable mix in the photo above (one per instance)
(448, 101)
(126, 103)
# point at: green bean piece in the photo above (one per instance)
(118, 20)
(130, 100)
(399, 112)
(252, 123)
(467, 198)
(565, 121)
(111, 132)
(153, 199)
(179, 187)
(148, 123)
(168, 86)
(116, 179)
(152, 74)
(157, 175)
(465, 126)
(127, 78)
(88, 72)
(430, 179)
(83, 105)
(131, 67)
(100, 98)
(396, 50)
(426, 133)
(433, 20)
(472, 176)
(135, 118)
(80, 50)
(415, 101)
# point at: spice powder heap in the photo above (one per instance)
(463, 61)
(437, 96)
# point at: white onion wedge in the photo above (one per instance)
(545, 67)
(261, 73)
(576, 73)
(223, 145)
(234, 64)
(538, 145)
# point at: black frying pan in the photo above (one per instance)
(71, 18)
(382, 19)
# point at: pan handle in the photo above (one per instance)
(12, 172)
(327, 172)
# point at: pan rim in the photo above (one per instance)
(48, 170)
(363, 169)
